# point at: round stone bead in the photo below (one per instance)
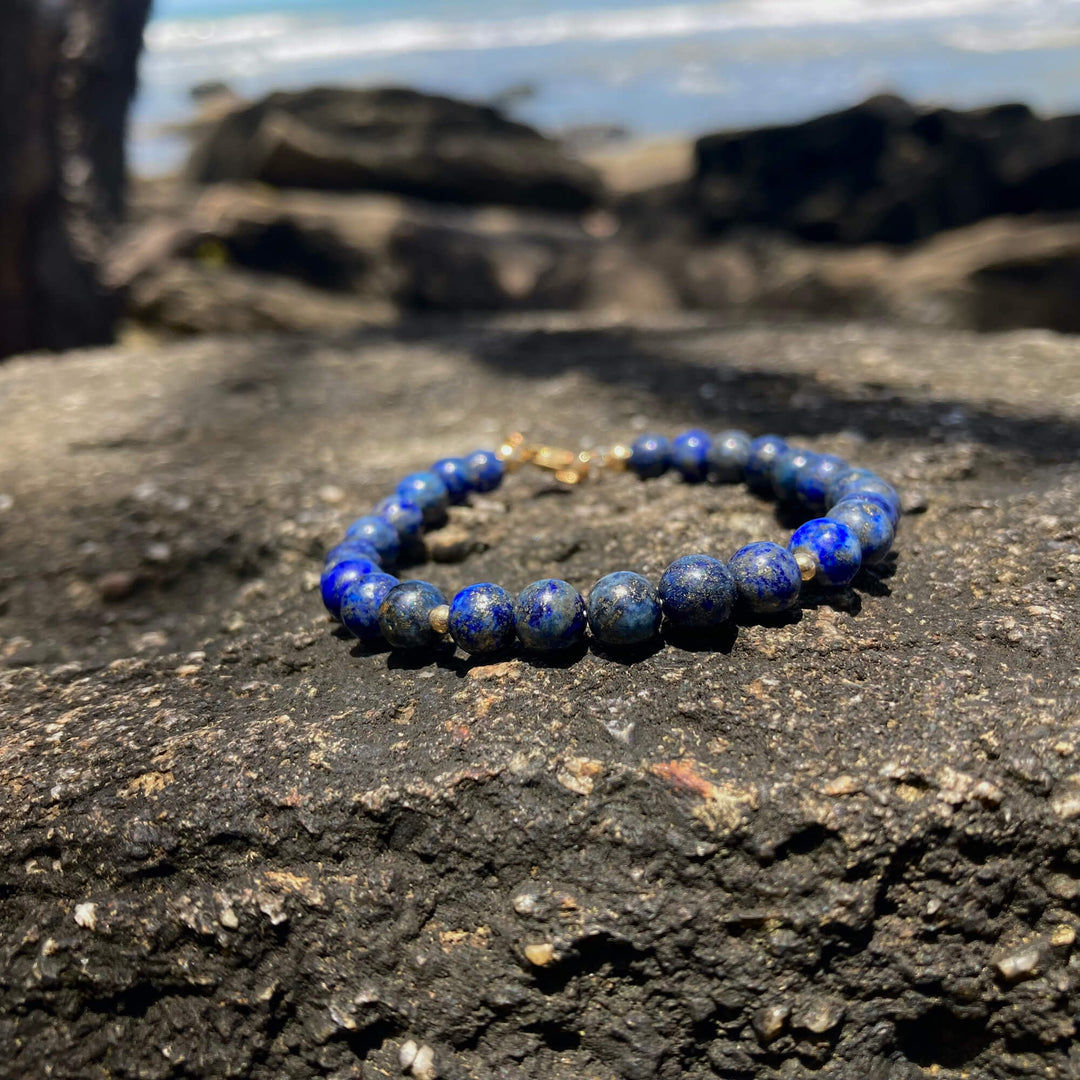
(764, 450)
(403, 514)
(380, 534)
(868, 485)
(785, 472)
(549, 614)
(767, 576)
(335, 581)
(834, 546)
(624, 609)
(727, 457)
(454, 473)
(843, 477)
(485, 470)
(360, 605)
(428, 492)
(650, 455)
(482, 618)
(350, 549)
(869, 519)
(405, 615)
(689, 454)
(812, 481)
(696, 592)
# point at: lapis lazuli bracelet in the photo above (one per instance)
(860, 513)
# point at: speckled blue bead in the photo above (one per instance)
(481, 618)
(785, 472)
(814, 479)
(696, 591)
(485, 470)
(403, 514)
(428, 492)
(380, 534)
(454, 473)
(549, 614)
(763, 452)
(689, 454)
(624, 609)
(869, 518)
(360, 605)
(338, 578)
(767, 576)
(350, 549)
(834, 546)
(405, 615)
(868, 484)
(727, 457)
(650, 455)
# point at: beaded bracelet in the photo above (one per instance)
(696, 592)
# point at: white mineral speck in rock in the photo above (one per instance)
(423, 1066)
(1019, 965)
(6, 502)
(407, 1053)
(86, 915)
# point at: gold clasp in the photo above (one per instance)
(568, 466)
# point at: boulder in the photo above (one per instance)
(393, 140)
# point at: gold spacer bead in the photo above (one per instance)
(807, 564)
(619, 457)
(439, 619)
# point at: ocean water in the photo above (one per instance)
(649, 68)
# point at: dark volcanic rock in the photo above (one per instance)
(843, 844)
(887, 172)
(394, 140)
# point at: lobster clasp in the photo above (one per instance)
(567, 466)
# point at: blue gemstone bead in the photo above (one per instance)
(869, 518)
(689, 454)
(482, 618)
(868, 485)
(403, 514)
(428, 492)
(549, 614)
(814, 479)
(841, 478)
(834, 546)
(360, 605)
(405, 615)
(454, 473)
(335, 581)
(786, 470)
(624, 609)
(763, 452)
(727, 457)
(650, 455)
(697, 591)
(767, 576)
(485, 470)
(380, 534)
(350, 549)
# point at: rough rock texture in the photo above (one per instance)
(887, 172)
(233, 844)
(67, 75)
(395, 140)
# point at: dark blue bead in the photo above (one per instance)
(814, 479)
(624, 609)
(350, 549)
(764, 450)
(868, 484)
(842, 478)
(454, 473)
(697, 591)
(428, 492)
(767, 577)
(786, 469)
(405, 615)
(380, 534)
(869, 518)
(834, 546)
(728, 455)
(403, 514)
(549, 614)
(689, 454)
(360, 605)
(338, 578)
(650, 455)
(485, 470)
(482, 618)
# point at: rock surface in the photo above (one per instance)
(234, 844)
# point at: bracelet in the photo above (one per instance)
(697, 592)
